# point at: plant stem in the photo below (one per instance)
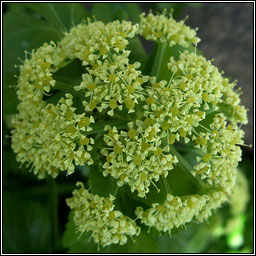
(69, 89)
(158, 60)
(115, 191)
(53, 208)
(166, 185)
(99, 127)
(188, 169)
(189, 150)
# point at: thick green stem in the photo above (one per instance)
(188, 169)
(53, 209)
(158, 60)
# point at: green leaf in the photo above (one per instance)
(100, 185)
(103, 11)
(193, 239)
(10, 99)
(26, 226)
(71, 73)
(70, 235)
(61, 16)
(138, 52)
(133, 10)
(23, 32)
(36, 24)
(144, 243)
(108, 12)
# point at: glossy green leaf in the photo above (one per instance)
(26, 226)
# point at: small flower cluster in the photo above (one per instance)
(48, 137)
(165, 29)
(51, 138)
(220, 153)
(177, 211)
(96, 214)
(231, 103)
(177, 105)
(136, 157)
(110, 81)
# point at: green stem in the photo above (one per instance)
(53, 200)
(166, 185)
(99, 127)
(189, 150)
(69, 89)
(188, 169)
(115, 191)
(158, 60)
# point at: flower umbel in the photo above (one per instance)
(96, 214)
(173, 142)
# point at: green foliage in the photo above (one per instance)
(26, 226)
(100, 185)
(107, 12)
(193, 239)
(9, 93)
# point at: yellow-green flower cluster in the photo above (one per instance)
(162, 28)
(96, 214)
(231, 103)
(111, 81)
(177, 211)
(46, 137)
(180, 104)
(220, 153)
(136, 157)
(194, 105)
(50, 138)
